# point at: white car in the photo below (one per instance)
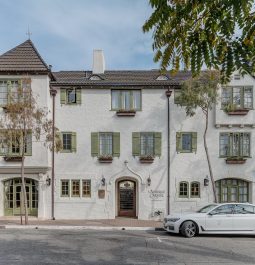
(227, 218)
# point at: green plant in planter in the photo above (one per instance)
(230, 107)
(236, 158)
(149, 157)
(105, 157)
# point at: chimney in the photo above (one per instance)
(98, 62)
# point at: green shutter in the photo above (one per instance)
(94, 144)
(9, 86)
(194, 142)
(178, 142)
(116, 144)
(74, 142)
(29, 144)
(136, 143)
(78, 95)
(63, 96)
(157, 143)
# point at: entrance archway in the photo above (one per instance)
(126, 197)
(13, 197)
(232, 190)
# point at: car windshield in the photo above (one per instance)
(207, 208)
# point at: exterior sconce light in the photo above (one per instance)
(103, 181)
(48, 181)
(149, 180)
(206, 181)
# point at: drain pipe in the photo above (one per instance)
(53, 93)
(168, 95)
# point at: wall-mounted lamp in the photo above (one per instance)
(149, 180)
(48, 181)
(103, 181)
(206, 181)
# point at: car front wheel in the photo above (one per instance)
(188, 229)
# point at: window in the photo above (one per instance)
(68, 142)
(195, 189)
(13, 147)
(162, 78)
(244, 209)
(70, 96)
(105, 144)
(184, 189)
(234, 144)
(146, 144)
(238, 97)
(224, 209)
(186, 142)
(126, 100)
(65, 188)
(3, 93)
(75, 188)
(232, 190)
(86, 188)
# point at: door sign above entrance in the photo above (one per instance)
(157, 195)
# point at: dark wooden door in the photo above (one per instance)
(127, 198)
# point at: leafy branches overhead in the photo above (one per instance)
(218, 34)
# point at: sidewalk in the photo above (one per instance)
(102, 224)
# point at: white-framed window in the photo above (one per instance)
(105, 144)
(126, 99)
(147, 144)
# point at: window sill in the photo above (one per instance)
(105, 159)
(125, 113)
(235, 161)
(12, 158)
(240, 112)
(146, 160)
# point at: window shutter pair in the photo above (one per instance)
(95, 144)
(63, 98)
(136, 143)
(179, 142)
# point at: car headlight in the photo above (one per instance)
(172, 219)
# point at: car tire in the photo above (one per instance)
(188, 229)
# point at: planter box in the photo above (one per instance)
(238, 112)
(233, 161)
(13, 158)
(146, 160)
(126, 113)
(105, 159)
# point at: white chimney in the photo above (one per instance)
(98, 62)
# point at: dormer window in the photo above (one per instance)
(95, 78)
(162, 78)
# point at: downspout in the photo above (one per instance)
(168, 95)
(53, 93)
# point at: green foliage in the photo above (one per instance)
(203, 32)
(200, 92)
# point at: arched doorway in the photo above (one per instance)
(126, 190)
(13, 197)
(232, 190)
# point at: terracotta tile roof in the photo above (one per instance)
(23, 58)
(133, 77)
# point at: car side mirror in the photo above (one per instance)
(212, 213)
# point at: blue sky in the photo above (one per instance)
(66, 31)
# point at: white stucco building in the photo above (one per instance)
(114, 128)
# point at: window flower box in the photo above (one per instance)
(231, 109)
(235, 160)
(105, 159)
(13, 158)
(146, 159)
(125, 113)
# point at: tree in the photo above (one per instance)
(195, 33)
(201, 92)
(23, 119)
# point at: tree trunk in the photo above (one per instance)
(208, 159)
(24, 136)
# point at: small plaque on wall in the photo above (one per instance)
(101, 194)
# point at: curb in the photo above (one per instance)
(102, 228)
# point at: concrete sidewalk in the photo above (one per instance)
(102, 224)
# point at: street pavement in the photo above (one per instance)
(37, 247)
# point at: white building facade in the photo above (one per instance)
(114, 129)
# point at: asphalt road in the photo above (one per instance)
(26, 247)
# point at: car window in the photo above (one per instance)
(207, 208)
(223, 209)
(244, 209)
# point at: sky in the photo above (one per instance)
(65, 32)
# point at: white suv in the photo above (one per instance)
(227, 218)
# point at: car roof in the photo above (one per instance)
(242, 203)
